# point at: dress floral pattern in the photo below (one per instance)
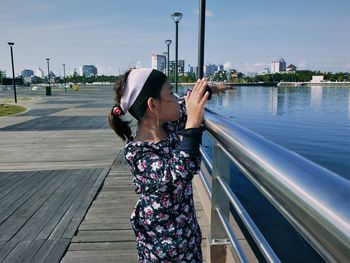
(164, 218)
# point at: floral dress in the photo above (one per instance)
(164, 218)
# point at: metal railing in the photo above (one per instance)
(313, 199)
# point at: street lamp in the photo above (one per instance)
(64, 77)
(201, 35)
(13, 71)
(176, 17)
(168, 42)
(48, 89)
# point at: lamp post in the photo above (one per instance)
(201, 35)
(48, 89)
(13, 71)
(168, 42)
(176, 17)
(64, 77)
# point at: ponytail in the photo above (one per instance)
(120, 126)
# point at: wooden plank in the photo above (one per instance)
(44, 251)
(100, 253)
(57, 251)
(108, 226)
(31, 250)
(21, 194)
(104, 235)
(44, 214)
(21, 215)
(63, 209)
(82, 210)
(102, 246)
(64, 222)
(17, 252)
(8, 179)
(6, 249)
(104, 259)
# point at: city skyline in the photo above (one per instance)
(115, 36)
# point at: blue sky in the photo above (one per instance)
(114, 34)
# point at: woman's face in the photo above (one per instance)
(169, 107)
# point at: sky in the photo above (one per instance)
(114, 35)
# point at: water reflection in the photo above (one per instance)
(349, 104)
(273, 100)
(316, 96)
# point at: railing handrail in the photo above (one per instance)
(313, 199)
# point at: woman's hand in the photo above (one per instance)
(216, 89)
(195, 101)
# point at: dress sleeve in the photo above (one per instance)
(154, 172)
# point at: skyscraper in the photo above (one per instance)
(278, 66)
(159, 62)
(88, 71)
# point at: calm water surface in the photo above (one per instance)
(311, 121)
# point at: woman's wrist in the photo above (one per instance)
(190, 125)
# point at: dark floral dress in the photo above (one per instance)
(164, 219)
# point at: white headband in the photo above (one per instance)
(133, 86)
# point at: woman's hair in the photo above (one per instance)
(120, 126)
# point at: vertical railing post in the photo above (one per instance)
(218, 236)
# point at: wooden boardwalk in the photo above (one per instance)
(105, 235)
(40, 211)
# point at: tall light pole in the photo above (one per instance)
(13, 71)
(176, 17)
(64, 77)
(48, 90)
(201, 35)
(168, 42)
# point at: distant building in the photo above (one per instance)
(159, 62)
(192, 69)
(27, 75)
(180, 67)
(317, 79)
(220, 67)
(209, 69)
(39, 73)
(88, 71)
(278, 66)
(291, 68)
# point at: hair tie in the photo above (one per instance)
(117, 111)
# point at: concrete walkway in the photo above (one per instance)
(63, 131)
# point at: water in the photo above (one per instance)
(311, 121)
